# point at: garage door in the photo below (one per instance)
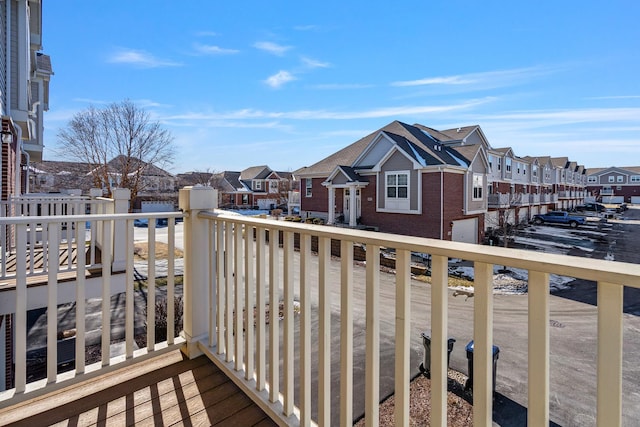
(465, 230)
(635, 200)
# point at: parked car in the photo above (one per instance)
(559, 217)
(591, 207)
(141, 222)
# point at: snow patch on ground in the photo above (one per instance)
(512, 281)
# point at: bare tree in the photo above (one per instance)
(120, 141)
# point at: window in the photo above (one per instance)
(273, 186)
(477, 186)
(397, 185)
(490, 163)
(518, 166)
(507, 163)
(620, 178)
(612, 178)
(245, 199)
(534, 170)
(499, 161)
(257, 185)
(635, 178)
(592, 179)
(308, 184)
(524, 169)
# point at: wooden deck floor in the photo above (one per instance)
(165, 390)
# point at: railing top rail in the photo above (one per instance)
(565, 265)
(16, 220)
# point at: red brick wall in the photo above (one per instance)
(319, 201)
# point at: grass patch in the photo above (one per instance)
(141, 251)
(452, 281)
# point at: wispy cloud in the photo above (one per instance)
(249, 114)
(140, 59)
(280, 78)
(314, 63)
(486, 80)
(272, 48)
(205, 49)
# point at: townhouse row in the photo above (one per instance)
(444, 184)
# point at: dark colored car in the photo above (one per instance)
(591, 207)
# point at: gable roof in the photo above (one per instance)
(420, 143)
(255, 172)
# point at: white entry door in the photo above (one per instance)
(347, 202)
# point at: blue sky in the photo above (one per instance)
(286, 83)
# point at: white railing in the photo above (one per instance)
(70, 239)
(534, 199)
(236, 264)
(499, 200)
(18, 298)
(245, 271)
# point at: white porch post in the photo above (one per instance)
(121, 197)
(353, 207)
(332, 205)
(197, 280)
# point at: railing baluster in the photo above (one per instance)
(274, 314)
(238, 256)
(372, 368)
(81, 299)
(249, 298)
(171, 279)
(228, 305)
(403, 339)
(151, 285)
(52, 304)
(261, 370)
(129, 328)
(221, 284)
(483, 344)
(324, 332)
(213, 286)
(106, 293)
(305, 329)
(288, 323)
(346, 332)
(610, 327)
(538, 357)
(439, 310)
(21, 310)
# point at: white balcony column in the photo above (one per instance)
(353, 208)
(121, 197)
(197, 280)
(331, 219)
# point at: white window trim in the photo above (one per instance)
(382, 181)
(308, 186)
(635, 179)
(474, 186)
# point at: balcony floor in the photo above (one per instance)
(165, 390)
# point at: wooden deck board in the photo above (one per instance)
(165, 390)
(37, 277)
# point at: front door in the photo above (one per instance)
(347, 202)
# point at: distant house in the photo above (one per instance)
(54, 176)
(445, 184)
(614, 184)
(403, 179)
(255, 187)
(155, 184)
